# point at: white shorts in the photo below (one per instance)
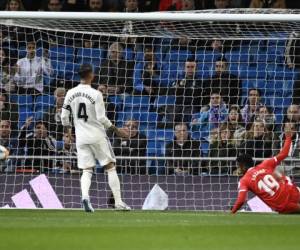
(102, 151)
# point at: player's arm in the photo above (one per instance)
(66, 112)
(275, 161)
(101, 117)
(241, 197)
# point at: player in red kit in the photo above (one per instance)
(276, 190)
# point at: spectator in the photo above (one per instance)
(188, 5)
(258, 141)
(14, 5)
(280, 4)
(37, 143)
(111, 109)
(147, 75)
(54, 5)
(30, 70)
(188, 97)
(9, 111)
(293, 129)
(53, 116)
(235, 123)
(293, 114)
(183, 146)
(32, 5)
(267, 115)
(222, 4)
(148, 5)
(68, 164)
(8, 142)
(240, 3)
(224, 146)
(167, 5)
(131, 6)
(8, 79)
(74, 5)
(250, 110)
(229, 85)
(210, 119)
(115, 72)
(292, 59)
(134, 145)
(4, 68)
(95, 5)
(288, 166)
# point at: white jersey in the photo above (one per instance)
(87, 107)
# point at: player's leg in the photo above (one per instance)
(86, 162)
(293, 206)
(106, 157)
(114, 184)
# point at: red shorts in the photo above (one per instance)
(293, 204)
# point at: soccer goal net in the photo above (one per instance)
(191, 90)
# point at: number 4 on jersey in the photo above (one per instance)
(82, 112)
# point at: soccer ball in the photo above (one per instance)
(4, 153)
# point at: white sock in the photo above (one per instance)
(114, 184)
(85, 181)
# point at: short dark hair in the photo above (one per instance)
(41, 122)
(216, 91)
(246, 160)
(269, 109)
(84, 70)
(258, 91)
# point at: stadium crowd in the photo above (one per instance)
(169, 98)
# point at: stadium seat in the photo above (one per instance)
(148, 119)
(25, 102)
(137, 101)
(207, 56)
(67, 69)
(44, 102)
(22, 52)
(237, 56)
(128, 54)
(164, 100)
(252, 73)
(62, 53)
(157, 141)
(279, 102)
(161, 134)
(204, 71)
(155, 148)
(90, 55)
(24, 114)
(279, 73)
(177, 56)
(175, 71)
(266, 56)
(116, 99)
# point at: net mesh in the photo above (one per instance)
(193, 95)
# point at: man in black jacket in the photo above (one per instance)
(187, 92)
(134, 145)
(37, 143)
(230, 85)
(183, 146)
(115, 72)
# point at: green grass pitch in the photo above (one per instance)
(139, 230)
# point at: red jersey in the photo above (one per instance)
(268, 186)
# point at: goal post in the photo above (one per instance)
(193, 90)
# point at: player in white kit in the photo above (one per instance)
(88, 111)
